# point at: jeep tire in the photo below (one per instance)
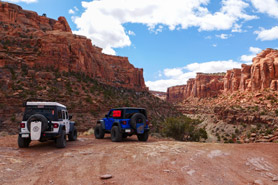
(23, 142)
(143, 137)
(99, 132)
(135, 119)
(61, 140)
(73, 134)
(38, 117)
(116, 135)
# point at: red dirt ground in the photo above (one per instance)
(132, 162)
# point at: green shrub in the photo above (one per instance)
(183, 128)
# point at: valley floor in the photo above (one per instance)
(132, 162)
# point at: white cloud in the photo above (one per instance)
(76, 9)
(237, 29)
(179, 76)
(214, 45)
(103, 20)
(248, 58)
(71, 11)
(24, 1)
(131, 33)
(223, 36)
(266, 6)
(264, 35)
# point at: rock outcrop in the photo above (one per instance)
(261, 75)
(204, 85)
(38, 41)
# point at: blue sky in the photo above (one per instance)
(171, 39)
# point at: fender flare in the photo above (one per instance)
(101, 122)
(72, 124)
(117, 124)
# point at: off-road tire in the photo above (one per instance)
(99, 132)
(23, 142)
(73, 134)
(143, 137)
(38, 117)
(116, 135)
(62, 140)
(135, 119)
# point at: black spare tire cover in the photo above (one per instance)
(38, 117)
(137, 118)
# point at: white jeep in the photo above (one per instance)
(46, 120)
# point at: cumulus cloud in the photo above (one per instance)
(223, 36)
(71, 11)
(179, 76)
(103, 20)
(266, 6)
(264, 34)
(131, 33)
(24, 1)
(253, 52)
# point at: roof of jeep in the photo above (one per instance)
(129, 108)
(45, 104)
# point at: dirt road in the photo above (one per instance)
(132, 162)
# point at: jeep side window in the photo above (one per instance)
(63, 114)
(110, 114)
(67, 116)
(60, 114)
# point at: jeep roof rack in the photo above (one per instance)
(129, 108)
(46, 104)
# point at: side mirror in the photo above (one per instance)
(70, 117)
(106, 115)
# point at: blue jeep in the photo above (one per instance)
(123, 122)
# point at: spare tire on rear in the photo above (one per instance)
(137, 118)
(38, 117)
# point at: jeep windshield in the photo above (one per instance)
(48, 112)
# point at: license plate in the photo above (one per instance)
(127, 130)
(24, 135)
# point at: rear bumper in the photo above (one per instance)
(43, 135)
(133, 131)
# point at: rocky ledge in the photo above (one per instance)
(33, 40)
(262, 74)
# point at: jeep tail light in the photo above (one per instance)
(124, 122)
(22, 125)
(55, 125)
(147, 122)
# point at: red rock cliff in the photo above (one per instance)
(27, 38)
(261, 75)
(204, 85)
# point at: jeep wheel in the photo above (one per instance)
(61, 141)
(73, 134)
(99, 132)
(116, 135)
(23, 142)
(143, 137)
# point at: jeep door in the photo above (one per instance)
(109, 121)
(66, 120)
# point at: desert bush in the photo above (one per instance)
(183, 129)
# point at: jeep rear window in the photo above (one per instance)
(130, 112)
(117, 113)
(49, 113)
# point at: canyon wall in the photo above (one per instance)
(261, 75)
(204, 85)
(38, 41)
